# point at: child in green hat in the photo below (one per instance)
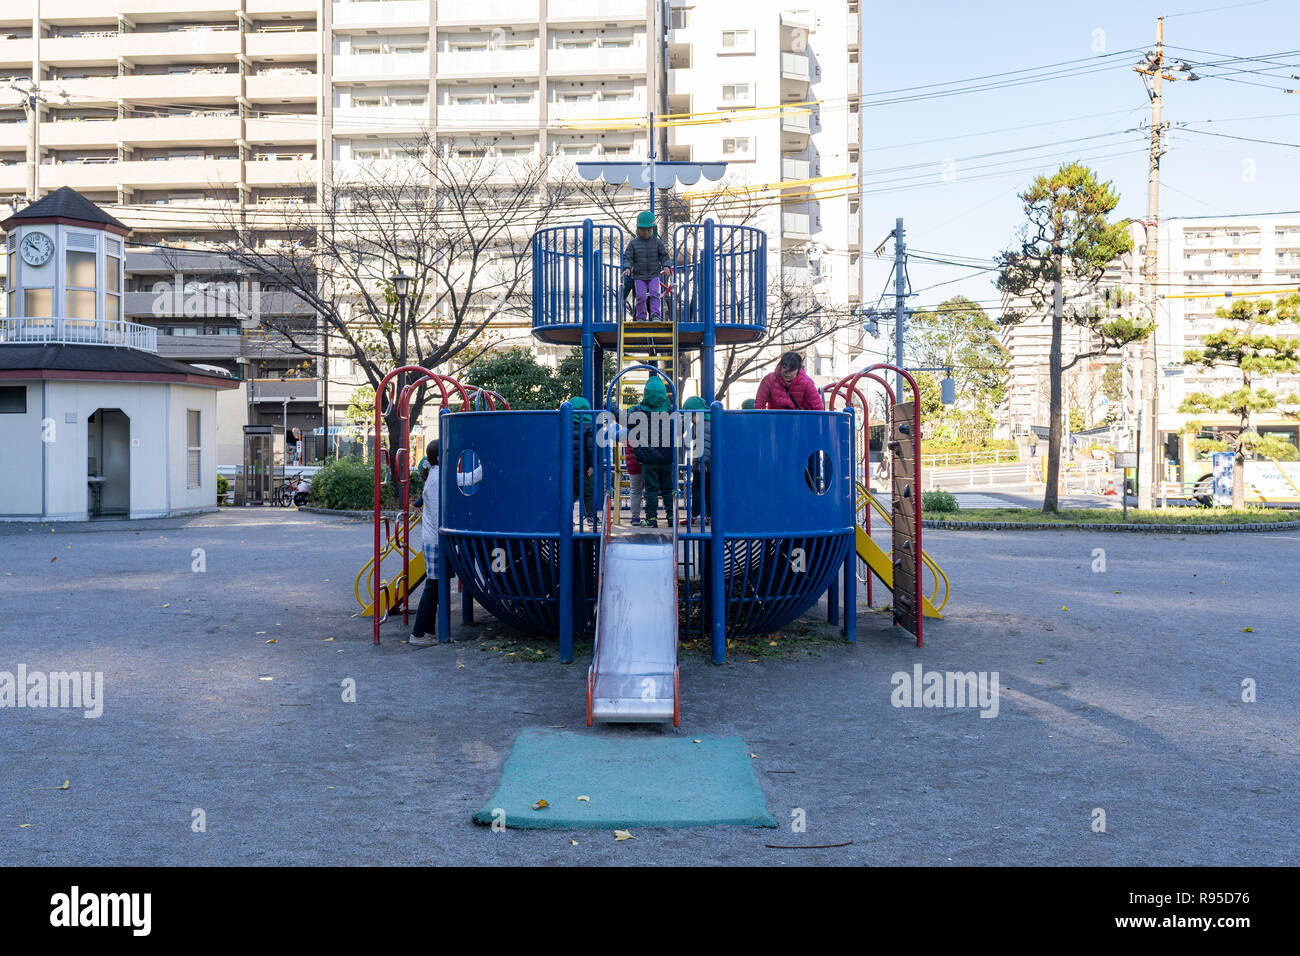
(646, 262)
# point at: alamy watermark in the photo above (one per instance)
(946, 689)
(83, 690)
(643, 429)
(203, 300)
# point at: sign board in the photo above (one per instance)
(1223, 462)
(1126, 459)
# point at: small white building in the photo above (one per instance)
(92, 422)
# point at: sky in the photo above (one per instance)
(928, 160)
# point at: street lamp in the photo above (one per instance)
(401, 286)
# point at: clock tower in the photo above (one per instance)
(65, 259)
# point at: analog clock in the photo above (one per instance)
(36, 248)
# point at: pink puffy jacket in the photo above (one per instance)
(801, 393)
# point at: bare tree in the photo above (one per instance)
(459, 227)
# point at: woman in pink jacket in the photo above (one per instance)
(789, 387)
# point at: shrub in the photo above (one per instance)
(941, 501)
(223, 488)
(348, 484)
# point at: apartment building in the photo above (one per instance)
(1205, 263)
(781, 84)
(172, 113)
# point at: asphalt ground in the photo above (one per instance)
(1121, 691)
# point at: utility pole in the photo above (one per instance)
(1153, 70)
(32, 97)
(900, 298)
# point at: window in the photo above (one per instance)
(193, 475)
(737, 93)
(737, 41)
(13, 399)
(79, 301)
(38, 303)
(737, 147)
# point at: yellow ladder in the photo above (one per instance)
(641, 343)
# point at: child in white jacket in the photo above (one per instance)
(426, 615)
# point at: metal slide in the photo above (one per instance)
(633, 673)
(881, 562)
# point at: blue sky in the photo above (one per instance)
(955, 200)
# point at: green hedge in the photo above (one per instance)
(939, 501)
(348, 484)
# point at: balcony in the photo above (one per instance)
(81, 175)
(597, 11)
(794, 66)
(277, 390)
(13, 179)
(470, 116)
(294, 43)
(560, 114)
(370, 13)
(797, 168)
(59, 331)
(177, 129)
(16, 52)
(216, 44)
(485, 13)
(351, 120)
(413, 65)
(79, 133)
(190, 348)
(284, 86)
(166, 87)
(491, 63)
(796, 225)
(179, 174)
(626, 60)
(13, 136)
(294, 128)
(855, 30)
(97, 49)
(796, 125)
(280, 173)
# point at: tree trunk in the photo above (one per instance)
(1054, 403)
(1239, 460)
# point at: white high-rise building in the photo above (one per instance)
(772, 90)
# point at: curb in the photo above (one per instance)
(347, 514)
(943, 525)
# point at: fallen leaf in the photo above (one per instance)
(1119, 592)
(52, 560)
(1249, 630)
(540, 805)
(585, 799)
(696, 741)
(65, 786)
(753, 756)
(1039, 661)
(751, 660)
(261, 632)
(621, 835)
(460, 667)
(328, 639)
(1064, 608)
(24, 826)
(271, 641)
(572, 842)
(266, 678)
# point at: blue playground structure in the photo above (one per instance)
(765, 516)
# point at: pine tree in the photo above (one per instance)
(1250, 344)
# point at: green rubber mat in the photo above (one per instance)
(627, 782)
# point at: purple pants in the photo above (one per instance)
(647, 297)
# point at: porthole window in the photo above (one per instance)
(469, 472)
(817, 473)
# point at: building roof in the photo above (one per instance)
(65, 203)
(91, 362)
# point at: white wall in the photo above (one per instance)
(157, 440)
(20, 465)
(231, 417)
(183, 399)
